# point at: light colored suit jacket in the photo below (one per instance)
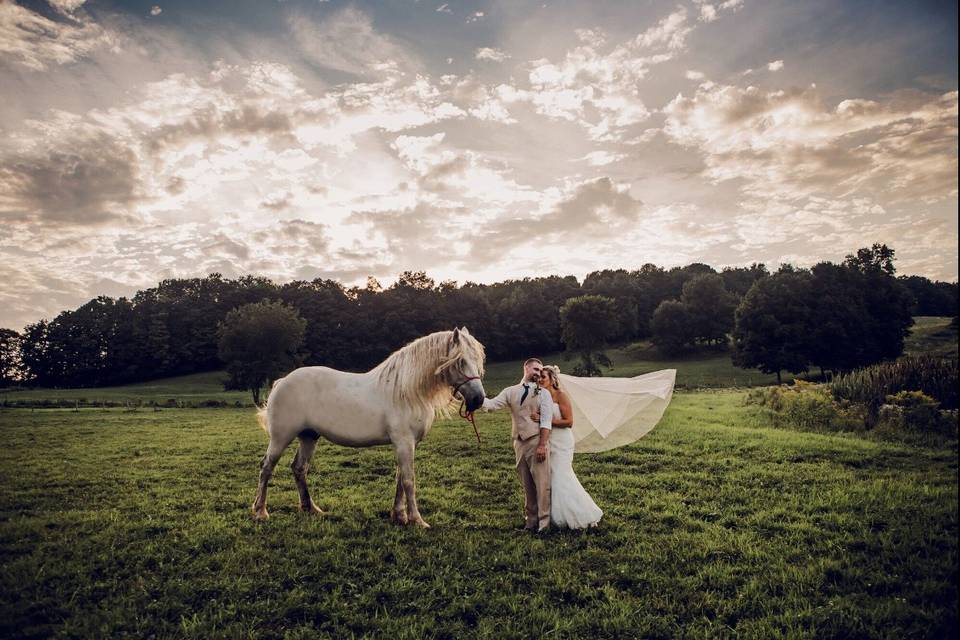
(521, 413)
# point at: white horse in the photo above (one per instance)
(394, 403)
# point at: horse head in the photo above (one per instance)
(464, 368)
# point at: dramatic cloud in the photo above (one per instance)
(346, 41)
(787, 144)
(306, 139)
(84, 178)
(36, 42)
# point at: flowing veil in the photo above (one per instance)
(612, 412)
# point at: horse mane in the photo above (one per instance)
(411, 374)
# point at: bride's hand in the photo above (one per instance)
(536, 416)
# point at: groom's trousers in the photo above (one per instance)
(535, 477)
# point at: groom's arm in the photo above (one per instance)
(546, 411)
(546, 424)
(497, 402)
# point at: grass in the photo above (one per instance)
(190, 389)
(931, 334)
(136, 523)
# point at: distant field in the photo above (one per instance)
(136, 523)
(932, 334)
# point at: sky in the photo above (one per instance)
(476, 141)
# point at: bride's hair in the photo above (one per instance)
(554, 372)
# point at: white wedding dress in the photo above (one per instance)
(571, 507)
(607, 413)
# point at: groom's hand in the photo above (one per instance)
(541, 452)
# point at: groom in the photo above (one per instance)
(531, 440)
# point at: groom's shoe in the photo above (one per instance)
(543, 530)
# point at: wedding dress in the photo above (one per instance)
(570, 505)
(607, 413)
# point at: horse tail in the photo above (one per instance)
(262, 417)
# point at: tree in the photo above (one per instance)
(10, 365)
(772, 324)
(710, 306)
(672, 327)
(878, 258)
(738, 280)
(586, 323)
(259, 342)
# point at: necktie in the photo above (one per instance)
(526, 390)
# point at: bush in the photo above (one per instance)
(916, 412)
(935, 377)
(807, 406)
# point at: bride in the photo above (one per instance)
(570, 506)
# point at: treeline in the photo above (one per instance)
(171, 329)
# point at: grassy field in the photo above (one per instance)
(932, 334)
(136, 523)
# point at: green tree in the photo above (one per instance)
(773, 324)
(10, 365)
(586, 323)
(259, 342)
(710, 306)
(673, 327)
(878, 258)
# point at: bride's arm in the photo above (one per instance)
(565, 419)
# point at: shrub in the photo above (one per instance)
(916, 412)
(807, 406)
(935, 377)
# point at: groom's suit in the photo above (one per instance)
(524, 400)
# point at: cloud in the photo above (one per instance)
(710, 11)
(815, 176)
(670, 32)
(347, 41)
(444, 8)
(776, 65)
(694, 75)
(66, 7)
(596, 89)
(82, 179)
(786, 144)
(155, 10)
(588, 210)
(36, 42)
(489, 53)
(602, 158)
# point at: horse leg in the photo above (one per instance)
(269, 461)
(398, 514)
(300, 466)
(405, 461)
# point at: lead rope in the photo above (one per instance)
(468, 416)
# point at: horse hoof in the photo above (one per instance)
(420, 522)
(398, 518)
(312, 509)
(261, 514)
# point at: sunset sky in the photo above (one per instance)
(476, 141)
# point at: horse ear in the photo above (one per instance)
(464, 331)
(456, 336)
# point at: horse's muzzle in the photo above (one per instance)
(473, 402)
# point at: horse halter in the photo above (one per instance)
(456, 388)
(462, 412)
